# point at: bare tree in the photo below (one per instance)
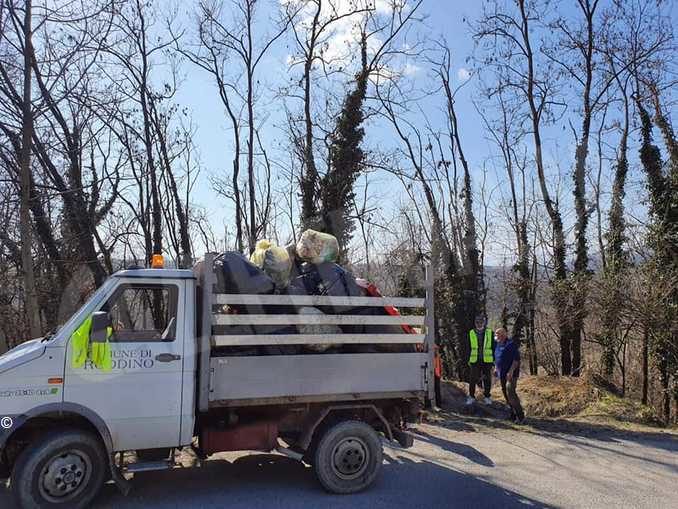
(474, 285)
(509, 38)
(30, 292)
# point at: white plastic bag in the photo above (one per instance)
(317, 247)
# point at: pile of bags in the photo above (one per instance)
(307, 268)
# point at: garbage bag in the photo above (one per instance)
(317, 247)
(274, 260)
(316, 329)
(324, 279)
(236, 274)
(328, 279)
(370, 290)
(240, 330)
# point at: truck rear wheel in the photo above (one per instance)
(348, 457)
(61, 469)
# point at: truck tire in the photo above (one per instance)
(348, 457)
(64, 469)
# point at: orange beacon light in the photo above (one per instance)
(157, 262)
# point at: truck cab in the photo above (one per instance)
(153, 352)
(65, 427)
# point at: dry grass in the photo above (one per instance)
(570, 398)
(546, 396)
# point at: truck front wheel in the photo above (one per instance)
(61, 469)
(348, 457)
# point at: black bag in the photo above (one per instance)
(236, 274)
(324, 279)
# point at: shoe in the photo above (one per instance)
(470, 400)
(487, 401)
(520, 420)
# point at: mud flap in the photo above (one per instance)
(124, 486)
(404, 438)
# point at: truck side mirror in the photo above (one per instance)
(101, 321)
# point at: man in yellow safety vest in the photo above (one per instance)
(481, 359)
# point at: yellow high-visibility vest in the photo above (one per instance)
(99, 353)
(488, 354)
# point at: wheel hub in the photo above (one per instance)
(64, 476)
(350, 458)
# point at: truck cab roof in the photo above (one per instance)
(156, 273)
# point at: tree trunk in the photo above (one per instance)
(666, 385)
(185, 258)
(559, 285)
(474, 284)
(580, 283)
(646, 363)
(579, 288)
(524, 281)
(30, 293)
(156, 212)
(309, 178)
(615, 255)
(251, 237)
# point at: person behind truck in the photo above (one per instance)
(507, 360)
(481, 359)
(437, 375)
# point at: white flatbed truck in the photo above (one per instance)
(176, 382)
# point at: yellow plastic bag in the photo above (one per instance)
(259, 254)
(317, 247)
(274, 260)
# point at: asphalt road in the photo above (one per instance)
(458, 462)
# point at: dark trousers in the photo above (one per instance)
(439, 396)
(509, 387)
(480, 371)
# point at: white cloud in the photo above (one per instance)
(342, 40)
(340, 44)
(411, 69)
(463, 74)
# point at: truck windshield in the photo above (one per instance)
(102, 290)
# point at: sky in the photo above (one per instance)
(443, 18)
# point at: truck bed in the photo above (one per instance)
(246, 380)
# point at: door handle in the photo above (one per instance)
(167, 357)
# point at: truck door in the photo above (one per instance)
(140, 399)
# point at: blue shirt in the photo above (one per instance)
(504, 356)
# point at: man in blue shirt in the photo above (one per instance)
(507, 364)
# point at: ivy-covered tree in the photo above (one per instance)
(662, 183)
(615, 254)
(347, 160)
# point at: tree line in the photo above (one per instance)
(564, 228)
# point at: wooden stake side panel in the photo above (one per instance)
(316, 339)
(316, 300)
(220, 339)
(232, 319)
